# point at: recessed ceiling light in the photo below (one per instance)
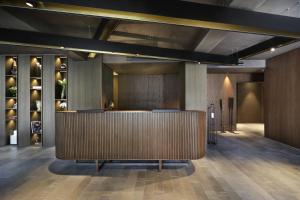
(272, 49)
(29, 4)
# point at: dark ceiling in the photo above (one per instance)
(149, 34)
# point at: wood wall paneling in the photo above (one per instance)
(282, 94)
(250, 102)
(85, 84)
(148, 91)
(24, 100)
(48, 101)
(222, 86)
(2, 101)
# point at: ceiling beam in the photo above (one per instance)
(35, 39)
(25, 24)
(104, 30)
(167, 11)
(275, 42)
(101, 28)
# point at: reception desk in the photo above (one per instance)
(130, 135)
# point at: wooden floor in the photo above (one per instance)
(242, 166)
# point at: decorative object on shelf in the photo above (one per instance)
(63, 84)
(13, 137)
(12, 117)
(63, 105)
(36, 127)
(13, 69)
(35, 139)
(63, 66)
(230, 107)
(12, 91)
(15, 106)
(111, 105)
(38, 64)
(38, 105)
(37, 87)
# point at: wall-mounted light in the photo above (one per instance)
(272, 49)
(61, 47)
(92, 55)
(115, 74)
(29, 4)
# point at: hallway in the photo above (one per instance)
(241, 166)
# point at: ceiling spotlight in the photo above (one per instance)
(272, 49)
(29, 4)
(199, 63)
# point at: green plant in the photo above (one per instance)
(12, 91)
(63, 84)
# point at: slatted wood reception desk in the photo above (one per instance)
(130, 135)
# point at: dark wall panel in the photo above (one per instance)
(2, 101)
(282, 97)
(48, 101)
(148, 91)
(24, 100)
(107, 86)
(250, 102)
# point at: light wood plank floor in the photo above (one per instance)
(242, 166)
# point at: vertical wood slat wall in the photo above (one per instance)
(130, 135)
(24, 100)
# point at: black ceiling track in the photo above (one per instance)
(275, 42)
(28, 38)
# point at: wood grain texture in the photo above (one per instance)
(24, 100)
(130, 135)
(282, 95)
(147, 92)
(242, 166)
(85, 84)
(2, 102)
(250, 102)
(48, 100)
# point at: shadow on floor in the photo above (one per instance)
(110, 169)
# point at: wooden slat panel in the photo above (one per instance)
(282, 94)
(130, 135)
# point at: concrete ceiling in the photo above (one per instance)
(152, 34)
(222, 42)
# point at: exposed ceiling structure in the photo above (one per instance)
(202, 39)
